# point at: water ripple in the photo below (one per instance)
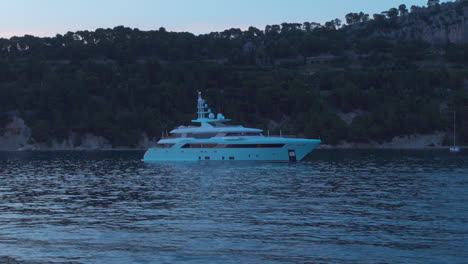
(337, 207)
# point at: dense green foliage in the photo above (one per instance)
(120, 83)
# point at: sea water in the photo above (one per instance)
(336, 207)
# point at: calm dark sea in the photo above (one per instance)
(338, 207)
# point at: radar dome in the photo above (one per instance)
(220, 116)
(211, 116)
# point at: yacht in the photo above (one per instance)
(214, 140)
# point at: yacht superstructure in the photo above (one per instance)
(213, 140)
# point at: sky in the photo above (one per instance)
(51, 17)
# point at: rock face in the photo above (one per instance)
(15, 135)
(447, 23)
(146, 142)
(416, 141)
(92, 142)
(86, 142)
(349, 117)
(448, 27)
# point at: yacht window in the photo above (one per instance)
(197, 145)
(233, 134)
(251, 146)
(214, 145)
(164, 145)
(201, 135)
(217, 124)
(238, 134)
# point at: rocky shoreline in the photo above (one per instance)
(17, 137)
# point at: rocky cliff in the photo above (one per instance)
(439, 25)
(16, 136)
(449, 25)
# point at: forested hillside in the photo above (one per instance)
(366, 78)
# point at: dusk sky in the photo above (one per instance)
(49, 17)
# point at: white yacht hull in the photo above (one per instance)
(292, 150)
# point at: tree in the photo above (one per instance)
(272, 30)
(338, 22)
(353, 18)
(310, 26)
(392, 13)
(414, 8)
(431, 3)
(290, 27)
(365, 18)
(350, 19)
(315, 25)
(312, 45)
(330, 25)
(122, 82)
(254, 32)
(307, 26)
(403, 10)
(333, 24)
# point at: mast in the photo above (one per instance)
(202, 107)
(454, 128)
(203, 110)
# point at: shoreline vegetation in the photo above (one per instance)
(388, 80)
